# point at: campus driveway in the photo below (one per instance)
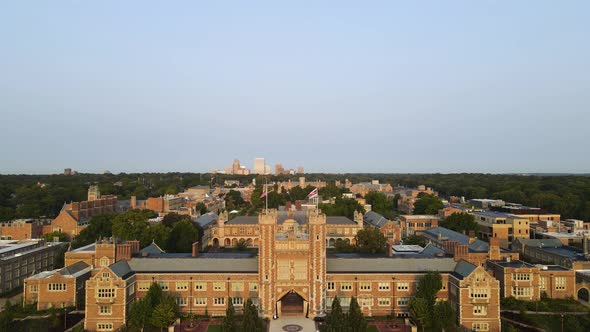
(292, 324)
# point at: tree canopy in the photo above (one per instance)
(427, 204)
(370, 240)
(460, 222)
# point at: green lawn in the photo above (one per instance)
(372, 328)
(214, 328)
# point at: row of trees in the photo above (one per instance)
(369, 240)
(338, 321)
(249, 320)
(175, 233)
(428, 313)
(155, 309)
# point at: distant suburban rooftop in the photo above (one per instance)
(389, 265)
(493, 214)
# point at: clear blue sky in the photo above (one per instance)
(363, 86)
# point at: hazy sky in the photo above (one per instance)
(363, 86)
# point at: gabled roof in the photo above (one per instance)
(152, 249)
(476, 246)
(75, 269)
(121, 269)
(207, 219)
(463, 269)
(541, 242)
(375, 219)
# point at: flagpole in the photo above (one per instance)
(266, 190)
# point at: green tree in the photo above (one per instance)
(428, 287)
(427, 204)
(460, 222)
(154, 295)
(182, 236)
(250, 319)
(342, 207)
(335, 320)
(172, 218)
(420, 313)
(165, 313)
(444, 316)
(370, 240)
(132, 225)
(330, 191)
(415, 239)
(355, 319)
(380, 203)
(100, 226)
(228, 321)
(62, 237)
(139, 314)
(158, 233)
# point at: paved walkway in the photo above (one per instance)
(307, 325)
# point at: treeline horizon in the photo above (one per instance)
(30, 196)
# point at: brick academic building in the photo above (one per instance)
(291, 275)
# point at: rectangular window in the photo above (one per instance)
(366, 302)
(60, 287)
(478, 293)
(253, 286)
(480, 327)
(181, 286)
(219, 286)
(105, 310)
(384, 301)
(105, 293)
(331, 286)
(34, 288)
(521, 291)
(104, 326)
(238, 300)
(403, 286)
(542, 283)
(480, 310)
(560, 283)
(163, 285)
(182, 301)
(345, 301)
(200, 301)
(200, 286)
(521, 276)
(143, 286)
(365, 286)
(383, 286)
(403, 301)
(237, 286)
(219, 301)
(346, 286)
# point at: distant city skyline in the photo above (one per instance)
(381, 87)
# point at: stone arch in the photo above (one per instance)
(215, 242)
(249, 242)
(227, 242)
(347, 241)
(332, 242)
(584, 294)
(234, 242)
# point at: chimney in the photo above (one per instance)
(494, 252)
(123, 252)
(133, 202)
(472, 237)
(134, 246)
(196, 249)
(389, 249)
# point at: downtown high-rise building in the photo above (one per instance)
(259, 166)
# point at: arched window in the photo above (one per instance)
(104, 261)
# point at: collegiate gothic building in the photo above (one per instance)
(291, 275)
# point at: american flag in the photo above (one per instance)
(313, 193)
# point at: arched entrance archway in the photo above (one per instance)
(216, 242)
(583, 294)
(292, 304)
(227, 242)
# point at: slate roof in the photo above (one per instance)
(299, 216)
(389, 265)
(121, 269)
(541, 242)
(152, 249)
(432, 250)
(476, 246)
(202, 265)
(375, 219)
(74, 269)
(243, 220)
(463, 269)
(339, 221)
(207, 219)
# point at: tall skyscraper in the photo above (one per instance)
(259, 166)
